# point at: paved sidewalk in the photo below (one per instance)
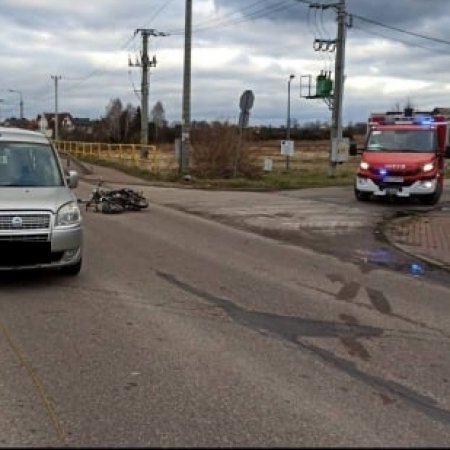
(425, 236)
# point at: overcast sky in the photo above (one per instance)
(237, 45)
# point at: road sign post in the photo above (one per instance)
(245, 103)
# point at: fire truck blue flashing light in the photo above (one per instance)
(424, 120)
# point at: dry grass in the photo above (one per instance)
(212, 160)
(309, 157)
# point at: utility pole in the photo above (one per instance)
(336, 118)
(145, 63)
(186, 115)
(333, 97)
(56, 78)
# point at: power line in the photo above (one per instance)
(224, 16)
(281, 6)
(400, 30)
(258, 13)
(322, 45)
(322, 25)
(157, 13)
(384, 25)
(306, 2)
(101, 69)
(254, 13)
(403, 41)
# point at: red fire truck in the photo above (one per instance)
(404, 155)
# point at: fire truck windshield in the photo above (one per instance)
(417, 141)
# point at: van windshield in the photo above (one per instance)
(415, 141)
(28, 164)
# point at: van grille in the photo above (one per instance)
(28, 221)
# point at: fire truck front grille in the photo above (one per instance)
(408, 172)
(383, 184)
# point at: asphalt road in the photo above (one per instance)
(181, 331)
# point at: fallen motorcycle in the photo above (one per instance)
(115, 201)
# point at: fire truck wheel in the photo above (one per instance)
(431, 199)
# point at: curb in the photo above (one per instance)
(96, 178)
(431, 261)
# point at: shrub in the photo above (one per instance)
(215, 148)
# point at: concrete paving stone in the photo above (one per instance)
(426, 236)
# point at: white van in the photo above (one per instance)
(40, 221)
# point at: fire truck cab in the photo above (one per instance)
(404, 156)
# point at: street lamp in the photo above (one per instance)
(21, 101)
(288, 124)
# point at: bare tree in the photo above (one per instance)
(128, 123)
(113, 119)
(158, 117)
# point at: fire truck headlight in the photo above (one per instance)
(364, 165)
(427, 167)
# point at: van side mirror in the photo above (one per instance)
(447, 151)
(72, 179)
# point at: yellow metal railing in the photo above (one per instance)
(145, 156)
(159, 160)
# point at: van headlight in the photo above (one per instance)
(68, 215)
(428, 167)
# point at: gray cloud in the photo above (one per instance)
(84, 41)
(401, 13)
